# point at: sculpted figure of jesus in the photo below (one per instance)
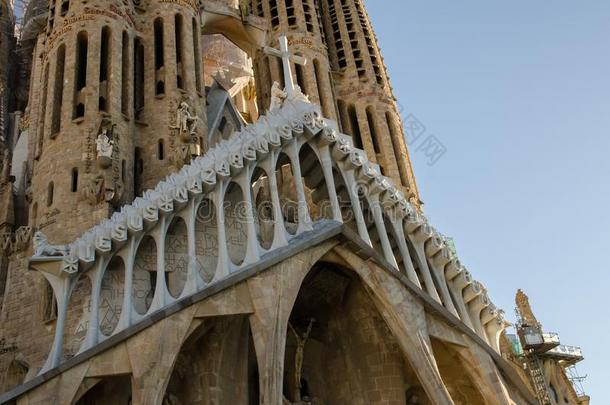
(301, 340)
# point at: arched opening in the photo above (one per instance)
(144, 275)
(216, 365)
(316, 189)
(114, 390)
(264, 220)
(48, 303)
(74, 180)
(206, 240)
(176, 257)
(161, 149)
(77, 319)
(455, 375)
(236, 217)
(50, 192)
(339, 350)
(289, 200)
(15, 375)
(111, 297)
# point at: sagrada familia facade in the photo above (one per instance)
(212, 202)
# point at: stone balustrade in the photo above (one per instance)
(245, 198)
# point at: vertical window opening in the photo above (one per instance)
(161, 150)
(197, 57)
(179, 49)
(104, 68)
(138, 78)
(159, 57)
(318, 73)
(125, 74)
(292, 18)
(65, 7)
(50, 194)
(74, 183)
(138, 169)
(58, 90)
(275, 17)
(308, 17)
(395, 136)
(343, 115)
(80, 74)
(355, 127)
(301, 80)
(43, 108)
(370, 117)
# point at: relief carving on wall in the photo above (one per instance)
(184, 139)
(108, 185)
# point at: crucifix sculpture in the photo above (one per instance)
(299, 356)
(287, 58)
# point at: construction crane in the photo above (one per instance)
(539, 346)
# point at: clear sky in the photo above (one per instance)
(518, 92)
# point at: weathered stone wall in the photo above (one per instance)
(25, 336)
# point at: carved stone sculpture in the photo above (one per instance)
(186, 122)
(42, 247)
(278, 96)
(93, 191)
(23, 235)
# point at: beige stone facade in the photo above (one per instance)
(184, 231)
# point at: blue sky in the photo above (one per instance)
(519, 94)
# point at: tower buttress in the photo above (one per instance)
(366, 104)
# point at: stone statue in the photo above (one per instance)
(23, 236)
(186, 122)
(6, 243)
(277, 97)
(93, 191)
(301, 340)
(104, 145)
(42, 247)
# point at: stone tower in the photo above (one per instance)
(367, 107)
(198, 233)
(345, 74)
(110, 82)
